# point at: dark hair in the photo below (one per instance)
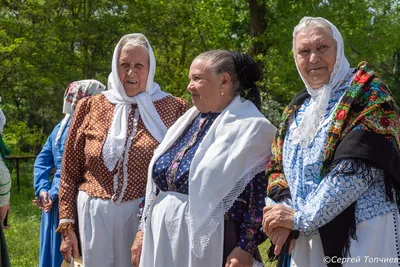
(241, 68)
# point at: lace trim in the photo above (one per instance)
(109, 156)
(306, 132)
(312, 119)
(126, 156)
(199, 239)
(115, 181)
(148, 206)
(65, 225)
(62, 221)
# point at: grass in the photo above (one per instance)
(23, 236)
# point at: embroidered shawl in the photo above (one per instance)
(365, 127)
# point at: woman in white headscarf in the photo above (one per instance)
(335, 160)
(111, 142)
(46, 190)
(206, 188)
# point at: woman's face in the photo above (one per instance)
(210, 92)
(315, 52)
(133, 69)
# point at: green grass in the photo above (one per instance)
(23, 236)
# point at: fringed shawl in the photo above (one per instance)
(365, 127)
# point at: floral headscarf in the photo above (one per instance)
(75, 92)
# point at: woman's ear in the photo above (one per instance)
(225, 81)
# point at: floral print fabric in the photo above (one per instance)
(247, 210)
(317, 201)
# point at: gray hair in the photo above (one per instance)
(308, 23)
(221, 61)
(134, 41)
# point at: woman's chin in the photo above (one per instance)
(200, 108)
(132, 91)
(318, 81)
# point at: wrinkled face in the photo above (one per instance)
(133, 69)
(315, 52)
(206, 88)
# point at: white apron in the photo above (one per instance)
(166, 236)
(372, 248)
(107, 230)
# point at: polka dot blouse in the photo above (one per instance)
(83, 165)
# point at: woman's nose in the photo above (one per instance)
(189, 86)
(314, 58)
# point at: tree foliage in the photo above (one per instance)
(46, 44)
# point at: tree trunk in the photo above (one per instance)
(257, 24)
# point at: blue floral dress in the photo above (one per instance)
(171, 173)
(317, 201)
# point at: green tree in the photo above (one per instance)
(46, 44)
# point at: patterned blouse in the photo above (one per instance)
(171, 173)
(317, 201)
(84, 166)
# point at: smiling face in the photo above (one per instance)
(133, 69)
(210, 92)
(315, 52)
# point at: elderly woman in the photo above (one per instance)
(5, 186)
(111, 142)
(337, 151)
(206, 177)
(50, 157)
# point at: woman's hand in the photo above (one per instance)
(137, 248)
(44, 202)
(3, 213)
(239, 258)
(277, 215)
(69, 245)
(278, 237)
(40, 205)
(37, 203)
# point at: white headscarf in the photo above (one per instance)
(315, 112)
(75, 92)
(114, 145)
(236, 148)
